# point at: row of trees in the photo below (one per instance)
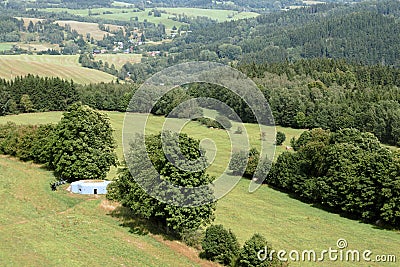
(33, 94)
(346, 171)
(221, 245)
(80, 146)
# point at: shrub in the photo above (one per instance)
(249, 254)
(280, 138)
(224, 121)
(238, 162)
(239, 130)
(220, 245)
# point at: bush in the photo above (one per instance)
(193, 238)
(220, 245)
(210, 123)
(280, 138)
(238, 162)
(239, 130)
(224, 121)
(248, 255)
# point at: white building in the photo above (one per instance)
(90, 187)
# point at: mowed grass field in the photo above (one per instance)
(5, 46)
(118, 59)
(39, 227)
(84, 28)
(287, 223)
(66, 67)
(125, 14)
(216, 14)
(120, 14)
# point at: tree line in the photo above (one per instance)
(38, 94)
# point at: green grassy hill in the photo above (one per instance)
(286, 222)
(39, 227)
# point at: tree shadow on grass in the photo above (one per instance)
(379, 224)
(141, 226)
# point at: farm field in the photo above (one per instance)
(27, 20)
(118, 59)
(120, 14)
(65, 67)
(154, 124)
(84, 28)
(216, 14)
(287, 223)
(125, 14)
(37, 46)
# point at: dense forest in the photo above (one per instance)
(34, 94)
(364, 33)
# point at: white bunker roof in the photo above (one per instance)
(90, 186)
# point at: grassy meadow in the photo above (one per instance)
(216, 14)
(84, 28)
(125, 14)
(39, 227)
(118, 59)
(5, 46)
(65, 66)
(286, 222)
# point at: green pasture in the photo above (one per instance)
(287, 223)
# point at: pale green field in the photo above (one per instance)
(5, 46)
(84, 28)
(216, 14)
(286, 222)
(119, 15)
(65, 67)
(121, 4)
(126, 14)
(118, 59)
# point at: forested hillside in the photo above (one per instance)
(365, 33)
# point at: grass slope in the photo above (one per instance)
(66, 67)
(286, 222)
(43, 228)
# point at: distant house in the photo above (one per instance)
(90, 187)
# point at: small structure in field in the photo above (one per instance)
(90, 187)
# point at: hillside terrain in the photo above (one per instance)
(329, 71)
(285, 221)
